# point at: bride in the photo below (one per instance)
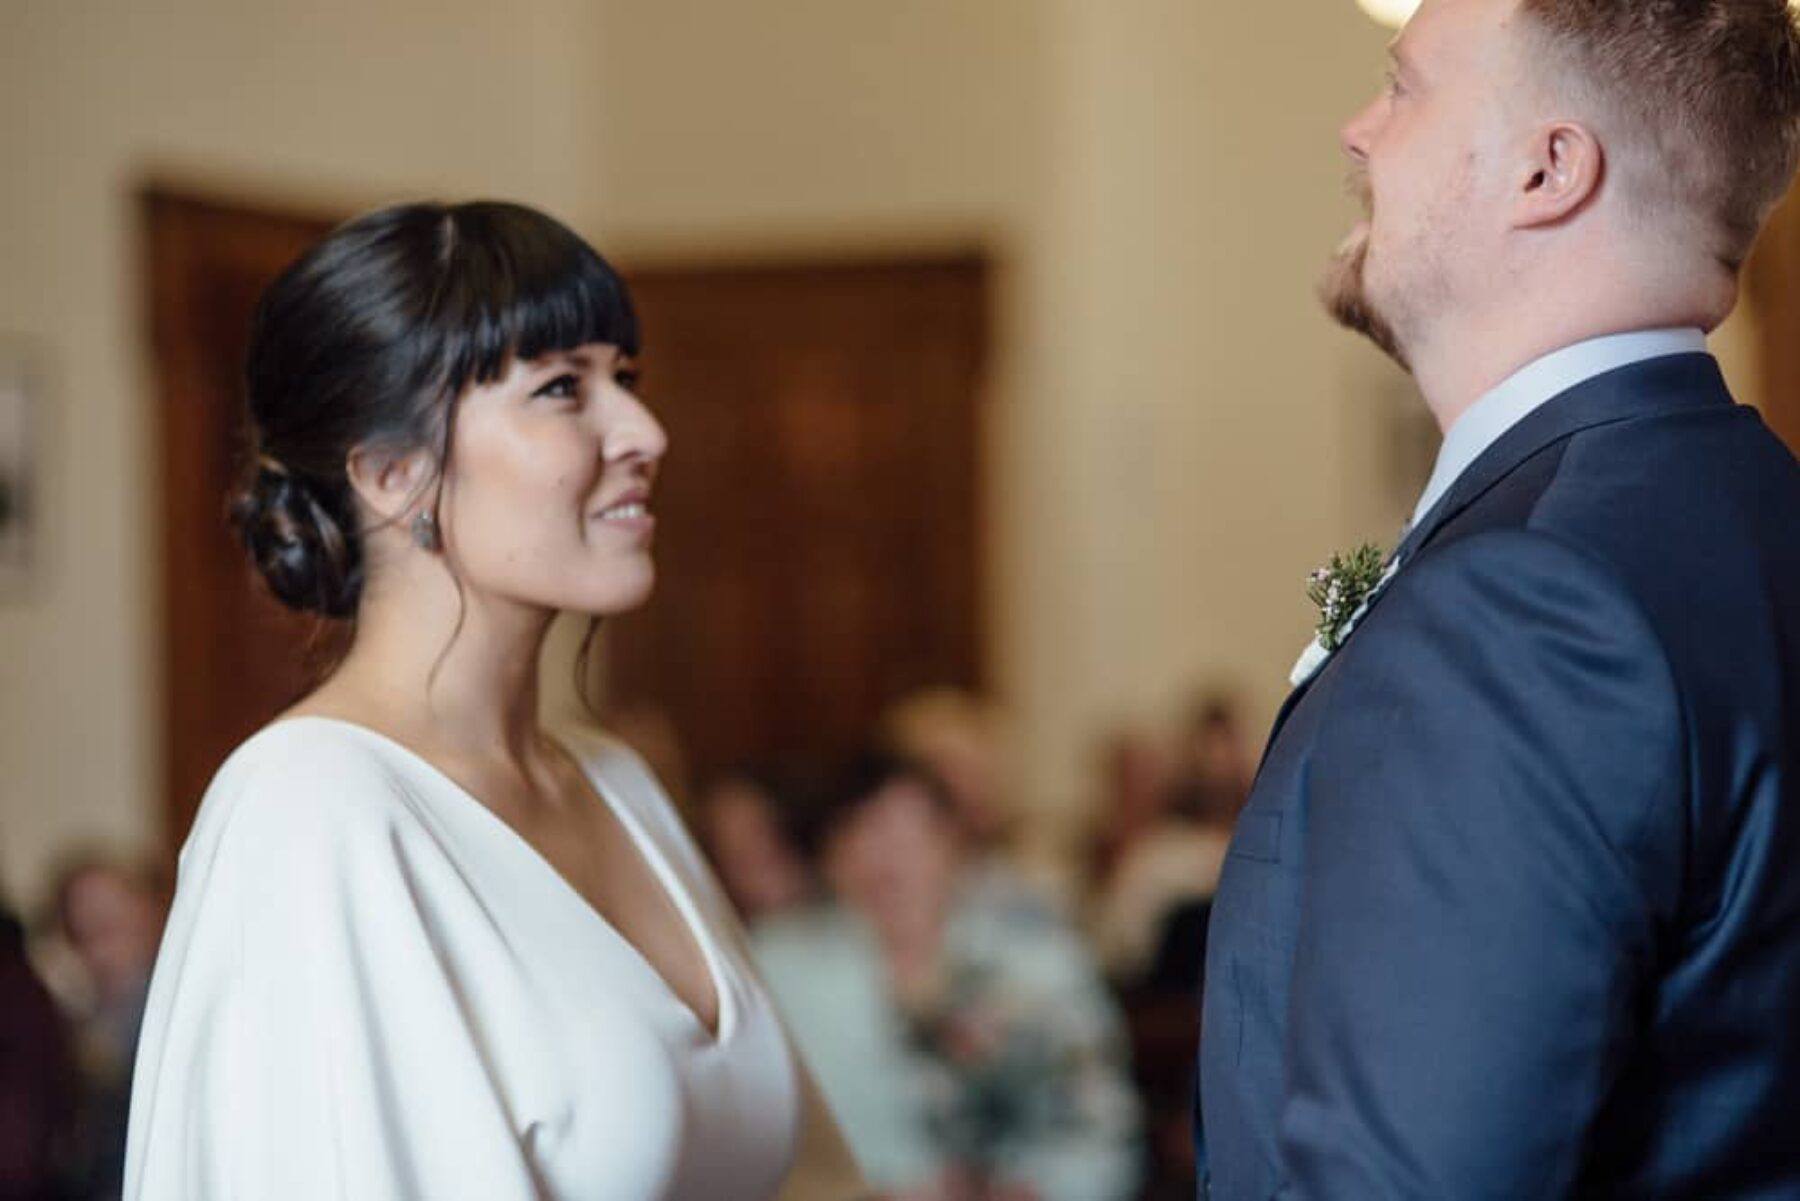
(421, 947)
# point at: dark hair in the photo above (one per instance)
(1710, 88)
(846, 793)
(786, 795)
(1213, 710)
(85, 862)
(368, 339)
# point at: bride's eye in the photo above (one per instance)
(627, 378)
(564, 387)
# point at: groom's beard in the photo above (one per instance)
(1345, 288)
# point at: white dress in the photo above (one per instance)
(372, 988)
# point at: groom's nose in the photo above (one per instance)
(1354, 136)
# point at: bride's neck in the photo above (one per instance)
(460, 675)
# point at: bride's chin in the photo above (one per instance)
(620, 597)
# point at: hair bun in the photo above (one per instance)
(297, 544)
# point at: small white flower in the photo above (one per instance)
(1316, 655)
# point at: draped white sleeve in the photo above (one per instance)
(370, 988)
(304, 1039)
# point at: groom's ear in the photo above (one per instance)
(1558, 176)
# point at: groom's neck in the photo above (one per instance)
(1460, 367)
(1556, 294)
(1463, 360)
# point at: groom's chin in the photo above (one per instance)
(1345, 294)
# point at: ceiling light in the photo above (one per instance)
(1392, 13)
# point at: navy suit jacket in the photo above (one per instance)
(1514, 909)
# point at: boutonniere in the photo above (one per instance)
(1343, 589)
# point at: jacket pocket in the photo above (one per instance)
(1258, 837)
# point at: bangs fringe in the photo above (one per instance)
(517, 284)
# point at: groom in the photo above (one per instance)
(1514, 909)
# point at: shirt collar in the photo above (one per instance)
(1534, 385)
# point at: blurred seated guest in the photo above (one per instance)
(1175, 862)
(824, 969)
(748, 837)
(110, 916)
(1174, 858)
(960, 739)
(36, 1076)
(1136, 771)
(968, 1055)
(1215, 760)
(1179, 962)
(1150, 923)
(957, 736)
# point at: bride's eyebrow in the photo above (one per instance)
(580, 360)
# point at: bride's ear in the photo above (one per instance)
(1558, 176)
(391, 483)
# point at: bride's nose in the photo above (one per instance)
(634, 435)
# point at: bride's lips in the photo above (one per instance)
(630, 512)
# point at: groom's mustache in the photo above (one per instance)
(1344, 289)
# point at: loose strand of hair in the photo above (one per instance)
(583, 676)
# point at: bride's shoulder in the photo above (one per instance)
(307, 816)
(319, 748)
(301, 772)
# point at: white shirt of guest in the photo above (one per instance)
(372, 988)
(1533, 386)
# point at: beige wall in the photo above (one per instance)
(806, 123)
(1190, 411)
(1177, 434)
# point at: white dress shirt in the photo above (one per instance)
(1534, 385)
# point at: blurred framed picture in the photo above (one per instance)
(19, 466)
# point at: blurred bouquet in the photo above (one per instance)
(1000, 1076)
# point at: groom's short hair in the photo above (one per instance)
(1708, 91)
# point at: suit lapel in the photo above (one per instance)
(1650, 388)
(1281, 718)
(1646, 389)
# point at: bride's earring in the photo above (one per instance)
(425, 534)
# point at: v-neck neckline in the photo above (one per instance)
(662, 870)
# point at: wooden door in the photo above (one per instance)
(1774, 287)
(819, 543)
(232, 657)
